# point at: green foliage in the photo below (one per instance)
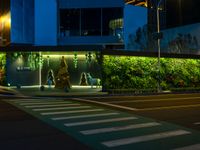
(124, 72)
(2, 69)
(29, 59)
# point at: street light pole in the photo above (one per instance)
(158, 41)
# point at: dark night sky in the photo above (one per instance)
(182, 12)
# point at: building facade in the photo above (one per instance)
(80, 37)
(92, 26)
(173, 13)
(182, 12)
(66, 22)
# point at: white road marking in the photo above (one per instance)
(168, 107)
(106, 104)
(197, 123)
(61, 108)
(26, 100)
(41, 103)
(85, 116)
(71, 112)
(98, 121)
(161, 95)
(29, 101)
(137, 109)
(152, 100)
(120, 128)
(190, 147)
(50, 105)
(132, 140)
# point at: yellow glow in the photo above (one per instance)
(5, 20)
(116, 23)
(66, 56)
(20, 61)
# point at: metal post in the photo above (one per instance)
(40, 70)
(158, 32)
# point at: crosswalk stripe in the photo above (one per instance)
(25, 100)
(41, 103)
(84, 116)
(50, 105)
(119, 128)
(132, 140)
(98, 121)
(61, 108)
(71, 112)
(197, 123)
(190, 147)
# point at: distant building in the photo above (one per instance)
(173, 13)
(64, 22)
(152, 15)
(182, 12)
(179, 22)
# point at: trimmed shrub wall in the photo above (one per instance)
(3, 69)
(124, 72)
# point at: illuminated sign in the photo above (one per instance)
(21, 69)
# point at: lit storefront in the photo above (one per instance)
(68, 70)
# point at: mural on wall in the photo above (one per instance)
(184, 39)
(138, 40)
(135, 28)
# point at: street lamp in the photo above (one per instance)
(158, 40)
(5, 23)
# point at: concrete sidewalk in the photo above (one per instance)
(24, 132)
(76, 91)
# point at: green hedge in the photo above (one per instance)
(124, 72)
(3, 69)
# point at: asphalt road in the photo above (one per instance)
(102, 123)
(114, 122)
(181, 109)
(22, 131)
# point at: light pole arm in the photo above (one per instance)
(158, 15)
(159, 3)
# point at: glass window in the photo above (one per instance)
(90, 22)
(110, 14)
(69, 22)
